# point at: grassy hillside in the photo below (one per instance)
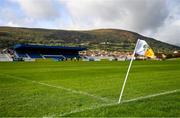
(107, 39)
(71, 88)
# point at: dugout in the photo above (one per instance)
(44, 52)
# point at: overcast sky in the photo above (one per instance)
(159, 19)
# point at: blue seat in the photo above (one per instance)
(71, 56)
(35, 55)
(55, 57)
(22, 55)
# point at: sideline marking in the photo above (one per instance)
(124, 101)
(60, 87)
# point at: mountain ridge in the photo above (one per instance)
(104, 39)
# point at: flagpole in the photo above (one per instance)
(132, 58)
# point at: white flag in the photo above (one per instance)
(144, 49)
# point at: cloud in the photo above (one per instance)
(170, 30)
(39, 9)
(170, 33)
(11, 17)
(31, 13)
(145, 14)
(137, 15)
(154, 18)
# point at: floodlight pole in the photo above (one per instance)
(132, 58)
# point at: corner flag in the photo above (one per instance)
(141, 48)
(144, 49)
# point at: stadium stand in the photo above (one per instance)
(5, 57)
(55, 57)
(43, 51)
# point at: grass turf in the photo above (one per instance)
(24, 89)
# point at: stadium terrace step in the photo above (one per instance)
(5, 57)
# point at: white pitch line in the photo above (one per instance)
(153, 95)
(60, 87)
(124, 101)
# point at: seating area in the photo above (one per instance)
(22, 55)
(34, 55)
(72, 56)
(4, 57)
(55, 57)
(58, 53)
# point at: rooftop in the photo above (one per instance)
(22, 46)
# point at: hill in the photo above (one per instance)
(107, 39)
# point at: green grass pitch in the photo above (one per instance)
(89, 89)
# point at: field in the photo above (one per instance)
(90, 89)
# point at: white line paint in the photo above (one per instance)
(86, 109)
(153, 95)
(60, 87)
(113, 102)
(124, 101)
